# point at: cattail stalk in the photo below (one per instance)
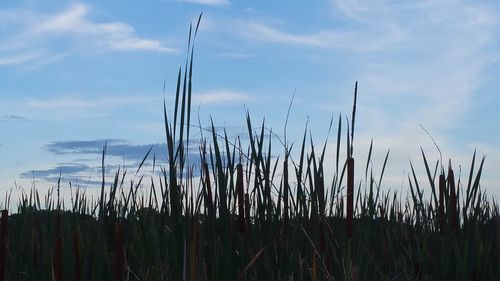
(453, 200)
(241, 200)
(247, 211)
(285, 190)
(442, 186)
(350, 196)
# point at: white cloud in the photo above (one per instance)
(262, 32)
(114, 35)
(73, 19)
(222, 96)
(377, 38)
(20, 58)
(131, 44)
(431, 74)
(381, 26)
(74, 106)
(68, 31)
(74, 102)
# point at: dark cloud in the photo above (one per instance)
(134, 154)
(120, 148)
(63, 169)
(67, 172)
(11, 118)
(92, 150)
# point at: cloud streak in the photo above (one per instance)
(21, 58)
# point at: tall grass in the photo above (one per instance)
(252, 216)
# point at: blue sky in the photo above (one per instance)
(76, 73)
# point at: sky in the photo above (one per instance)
(74, 74)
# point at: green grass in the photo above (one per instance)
(254, 216)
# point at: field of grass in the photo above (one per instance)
(241, 213)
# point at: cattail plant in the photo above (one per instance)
(350, 196)
(241, 200)
(350, 170)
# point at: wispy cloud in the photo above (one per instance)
(75, 102)
(432, 75)
(380, 27)
(76, 106)
(437, 66)
(33, 35)
(221, 96)
(265, 33)
(208, 2)
(20, 58)
(378, 38)
(114, 35)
